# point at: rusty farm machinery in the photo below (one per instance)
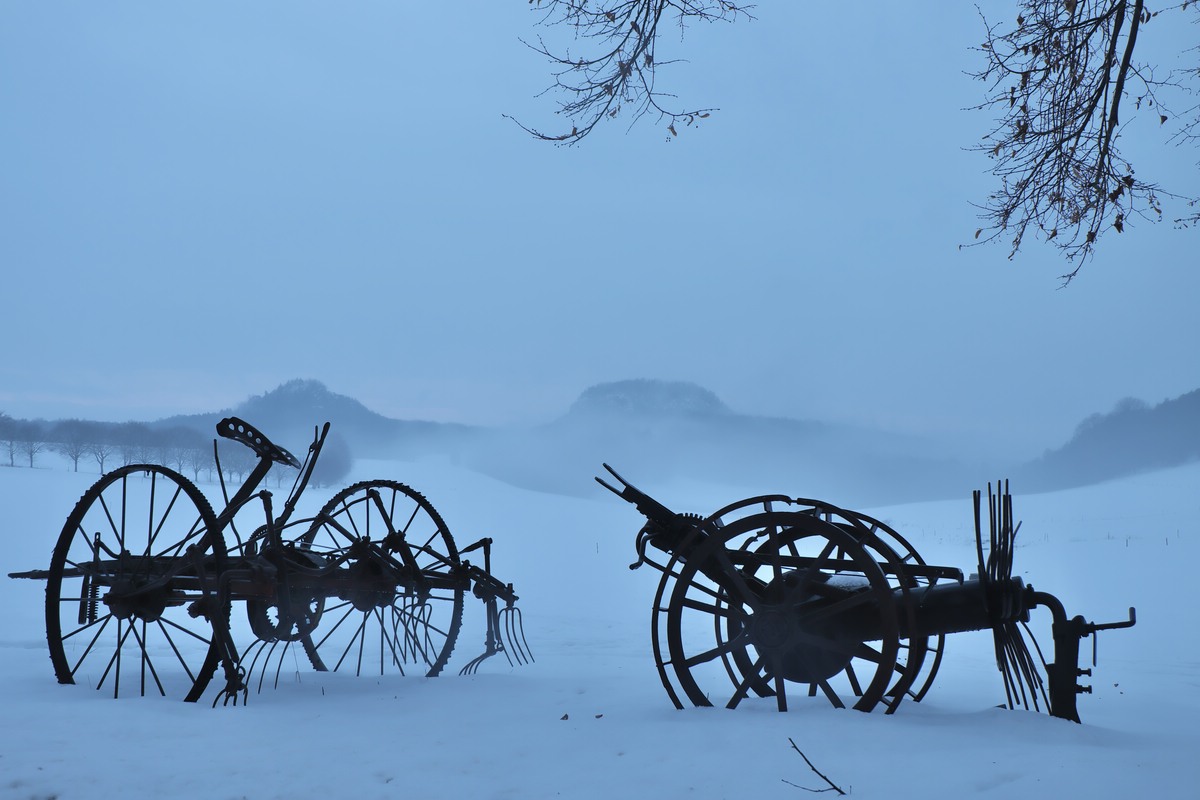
(145, 575)
(775, 595)
(767, 596)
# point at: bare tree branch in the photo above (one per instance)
(1061, 80)
(618, 71)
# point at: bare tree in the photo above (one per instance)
(71, 438)
(31, 439)
(237, 460)
(1065, 81)
(101, 451)
(132, 442)
(177, 445)
(618, 77)
(8, 437)
(200, 458)
(335, 462)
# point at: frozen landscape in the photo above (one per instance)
(199, 201)
(590, 718)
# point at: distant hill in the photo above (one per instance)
(1134, 437)
(289, 414)
(648, 398)
(659, 430)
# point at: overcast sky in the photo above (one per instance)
(201, 200)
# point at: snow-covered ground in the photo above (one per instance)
(590, 719)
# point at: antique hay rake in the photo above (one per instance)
(144, 575)
(773, 594)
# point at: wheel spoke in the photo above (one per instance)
(838, 607)
(716, 609)
(122, 635)
(146, 662)
(853, 678)
(163, 622)
(359, 633)
(710, 654)
(830, 694)
(87, 650)
(735, 575)
(751, 676)
(349, 610)
(780, 686)
(807, 575)
(179, 656)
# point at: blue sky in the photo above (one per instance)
(199, 201)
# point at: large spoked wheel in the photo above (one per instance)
(125, 602)
(918, 657)
(765, 595)
(401, 598)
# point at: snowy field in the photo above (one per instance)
(590, 719)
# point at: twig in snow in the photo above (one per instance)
(833, 787)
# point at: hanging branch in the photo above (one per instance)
(618, 75)
(1189, 133)
(1061, 80)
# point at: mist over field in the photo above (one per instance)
(649, 429)
(589, 718)
(300, 213)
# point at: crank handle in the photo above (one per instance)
(1092, 627)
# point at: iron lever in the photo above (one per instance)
(1092, 627)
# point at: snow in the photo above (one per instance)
(590, 719)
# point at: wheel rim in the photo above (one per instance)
(123, 586)
(379, 625)
(745, 607)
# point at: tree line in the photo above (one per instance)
(109, 445)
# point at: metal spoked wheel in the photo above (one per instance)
(918, 657)
(126, 609)
(758, 598)
(378, 626)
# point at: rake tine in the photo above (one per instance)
(504, 646)
(510, 643)
(473, 665)
(514, 634)
(525, 648)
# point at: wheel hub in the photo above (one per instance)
(126, 602)
(371, 587)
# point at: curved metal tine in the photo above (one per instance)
(242, 688)
(229, 697)
(499, 634)
(513, 636)
(254, 652)
(514, 624)
(267, 653)
(473, 665)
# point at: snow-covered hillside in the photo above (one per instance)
(590, 720)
